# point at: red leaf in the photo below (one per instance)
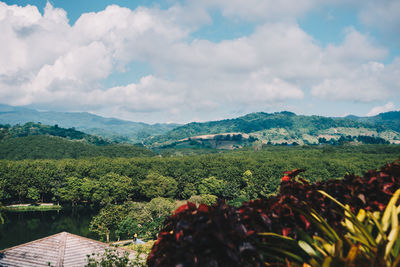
(382, 174)
(178, 235)
(381, 206)
(286, 231)
(203, 208)
(250, 232)
(386, 188)
(305, 221)
(181, 208)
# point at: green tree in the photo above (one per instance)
(112, 188)
(252, 191)
(203, 199)
(33, 194)
(107, 220)
(71, 191)
(3, 189)
(212, 186)
(157, 185)
(87, 188)
(189, 189)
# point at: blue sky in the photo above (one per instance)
(182, 61)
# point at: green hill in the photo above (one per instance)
(38, 141)
(288, 128)
(387, 120)
(52, 147)
(30, 128)
(259, 128)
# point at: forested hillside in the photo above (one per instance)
(38, 141)
(287, 127)
(29, 129)
(274, 128)
(387, 120)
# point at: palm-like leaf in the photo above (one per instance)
(370, 238)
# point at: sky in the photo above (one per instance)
(200, 60)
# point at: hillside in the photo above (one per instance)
(251, 129)
(30, 128)
(111, 128)
(38, 141)
(387, 120)
(52, 147)
(288, 128)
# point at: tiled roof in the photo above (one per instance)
(62, 249)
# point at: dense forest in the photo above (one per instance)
(235, 175)
(50, 147)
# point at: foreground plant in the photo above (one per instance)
(370, 239)
(204, 236)
(230, 236)
(113, 258)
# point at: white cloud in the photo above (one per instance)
(25, 32)
(150, 94)
(383, 15)
(355, 49)
(380, 109)
(352, 71)
(48, 62)
(361, 84)
(262, 9)
(236, 71)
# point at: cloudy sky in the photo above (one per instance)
(198, 60)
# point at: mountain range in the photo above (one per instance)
(263, 128)
(111, 128)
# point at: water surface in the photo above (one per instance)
(22, 227)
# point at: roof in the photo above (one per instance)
(62, 249)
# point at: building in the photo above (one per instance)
(59, 250)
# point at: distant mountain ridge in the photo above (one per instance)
(111, 128)
(274, 128)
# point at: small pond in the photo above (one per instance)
(22, 227)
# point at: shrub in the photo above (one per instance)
(204, 236)
(370, 238)
(224, 235)
(203, 199)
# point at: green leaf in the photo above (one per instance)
(277, 236)
(388, 211)
(307, 248)
(289, 254)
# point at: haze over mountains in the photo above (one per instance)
(116, 129)
(274, 128)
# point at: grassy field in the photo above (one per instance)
(32, 207)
